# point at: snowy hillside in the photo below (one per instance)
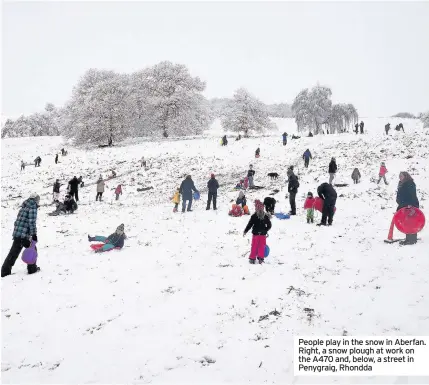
(180, 303)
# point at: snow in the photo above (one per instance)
(180, 303)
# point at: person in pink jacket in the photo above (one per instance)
(382, 173)
(118, 191)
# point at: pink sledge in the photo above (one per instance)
(96, 246)
(317, 204)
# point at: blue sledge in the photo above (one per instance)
(267, 251)
(282, 216)
(196, 196)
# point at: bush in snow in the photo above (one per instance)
(404, 115)
(165, 98)
(38, 124)
(246, 113)
(425, 119)
(313, 108)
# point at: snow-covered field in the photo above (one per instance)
(180, 303)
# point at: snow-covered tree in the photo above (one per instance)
(166, 99)
(281, 110)
(341, 117)
(246, 113)
(425, 119)
(311, 108)
(99, 108)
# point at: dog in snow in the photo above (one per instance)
(273, 175)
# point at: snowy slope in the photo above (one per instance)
(180, 303)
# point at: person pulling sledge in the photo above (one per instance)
(260, 224)
(186, 189)
(356, 176)
(309, 202)
(115, 240)
(329, 196)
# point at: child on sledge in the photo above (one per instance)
(115, 240)
(310, 202)
(241, 200)
(236, 211)
(118, 191)
(176, 199)
(382, 173)
(260, 224)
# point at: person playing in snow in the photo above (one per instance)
(238, 137)
(37, 161)
(118, 191)
(115, 240)
(405, 197)
(387, 128)
(56, 158)
(212, 186)
(22, 165)
(176, 199)
(257, 152)
(269, 204)
(356, 176)
(240, 185)
(143, 162)
(186, 189)
(100, 188)
(250, 175)
(361, 125)
(260, 224)
(74, 188)
(236, 211)
(113, 174)
(357, 128)
(329, 196)
(309, 202)
(401, 127)
(382, 173)
(24, 230)
(307, 156)
(80, 181)
(310, 134)
(56, 190)
(292, 188)
(62, 151)
(284, 138)
(241, 200)
(332, 169)
(68, 207)
(224, 140)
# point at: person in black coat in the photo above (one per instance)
(56, 158)
(407, 196)
(361, 125)
(70, 204)
(332, 170)
(356, 128)
(329, 196)
(74, 188)
(387, 128)
(292, 188)
(185, 190)
(56, 190)
(212, 186)
(270, 204)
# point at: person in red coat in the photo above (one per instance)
(382, 173)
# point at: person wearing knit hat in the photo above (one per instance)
(24, 229)
(115, 240)
(212, 186)
(260, 224)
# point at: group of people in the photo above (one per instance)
(359, 127)
(398, 127)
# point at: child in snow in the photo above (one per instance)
(143, 162)
(176, 199)
(241, 200)
(236, 211)
(22, 165)
(250, 175)
(309, 202)
(240, 185)
(356, 176)
(113, 240)
(118, 191)
(260, 224)
(257, 152)
(382, 173)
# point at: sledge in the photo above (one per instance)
(317, 205)
(267, 251)
(282, 215)
(408, 220)
(96, 246)
(196, 196)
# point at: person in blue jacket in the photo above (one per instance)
(185, 190)
(284, 138)
(307, 156)
(407, 196)
(115, 240)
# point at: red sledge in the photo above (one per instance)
(96, 246)
(317, 204)
(408, 220)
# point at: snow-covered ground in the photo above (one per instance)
(180, 303)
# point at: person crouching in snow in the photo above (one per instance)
(382, 173)
(115, 240)
(176, 199)
(118, 191)
(309, 202)
(260, 224)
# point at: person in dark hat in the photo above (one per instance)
(212, 186)
(115, 240)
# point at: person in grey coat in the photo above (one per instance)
(100, 188)
(185, 190)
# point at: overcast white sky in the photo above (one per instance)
(374, 55)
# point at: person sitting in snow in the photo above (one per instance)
(68, 207)
(240, 185)
(309, 202)
(260, 224)
(241, 200)
(356, 176)
(115, 240)
(176, 199)
(118, 191)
